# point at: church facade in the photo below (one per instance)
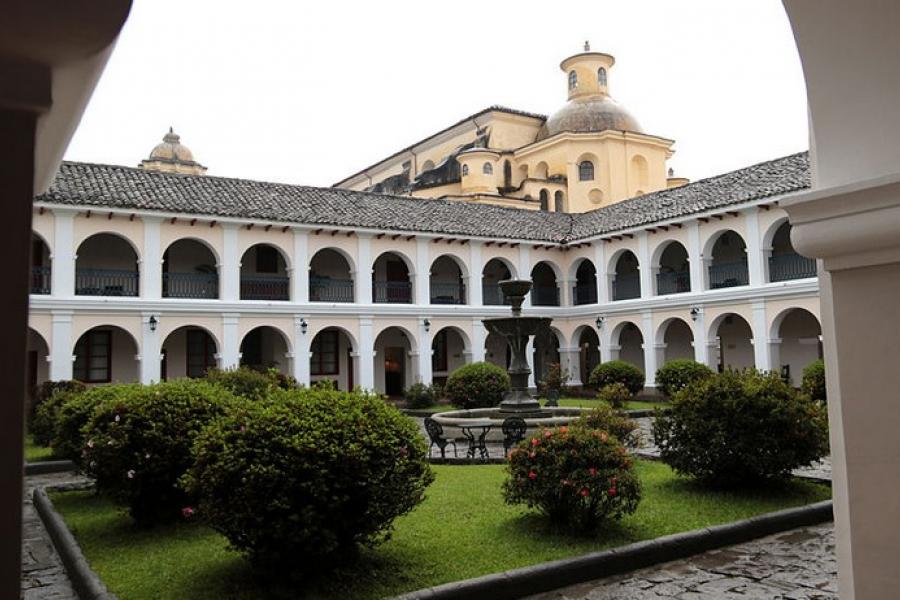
(161, 271)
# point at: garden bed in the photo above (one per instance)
(462, 530)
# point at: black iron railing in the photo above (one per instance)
(40, 280)
(626, 287)
(673, 283)
(106, 282)
(728, 274)
(190, 285)
(323, 289)
(392, 292)
(545, 295)
(448, 293)
(265, 288)
(585, 293)
(784, 267)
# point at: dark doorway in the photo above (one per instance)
(394, 362)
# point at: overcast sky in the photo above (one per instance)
(309, 92)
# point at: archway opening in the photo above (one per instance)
(679, 341)
(784, 263)
(188, 351)
(631, 345)
(390, 280)
(801, 343)
(546, 352)
(627, 281)
(330, 277)
(585, 290)
(393, 365)
(544, 289)
(559, 201)
(264, 274)
(544, 197)
(448, 353)
(265, 348)
(674, 276)
(588, 353)
(331, 358)
(728, 265)
(447, 285)
(106, 265)
(105, 354)
(493, 273)
(189, 271)
(40, 266)
(735, 344)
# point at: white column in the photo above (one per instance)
(151, 262)
(230, 269)
(645, 270)
(362, 279)
(62, 346)
(230, 352)
(774, 349)
(602, 275)
(651, 352)
(566, 293)
(605, 336)
(366, 353)
(473, 285)
(422, 279)
(570, 358)
(701, 343)
(760, 337)
(302, 343)
(423, 370)
(62, 265)
(151, 351)
(478, 338)
(695, 257)
(524, 268)
(300, 276)
(757, 274)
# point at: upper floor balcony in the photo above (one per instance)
(626, 287)
(784, 267)
(106, 264)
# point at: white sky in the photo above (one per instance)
(310, 92)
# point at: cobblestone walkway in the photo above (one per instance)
(794, 565)
(43, 575)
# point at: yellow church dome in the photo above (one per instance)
(171, 148)
(590, 113)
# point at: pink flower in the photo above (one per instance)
(532, 455)
(532, 475)
(611, 492)
(548, 434)
(130, 474)
(592, 471)
(187, 512)
(243, 428)
(585, 492)
(535, 442)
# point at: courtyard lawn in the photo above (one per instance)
(462, 530)
(35, 453)
(594, 402)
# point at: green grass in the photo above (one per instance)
(593, 403)
(462, 530)
(35, 453)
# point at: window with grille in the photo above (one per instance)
(201, 353)
(324, 358)
(93, 357)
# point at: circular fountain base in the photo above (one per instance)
(539, 417)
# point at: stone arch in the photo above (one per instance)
(678, 338)
(447, 276)
(546, 350)
(588, 342)
(447, 353)
(41, 257)
(98, 355)
(796, 337)
(734, 344)
(106, 264)
(329, 280)
(184, 274)
(427, 166)
(333, 358)
(545, 277)
(629, 340)
(544, 197)
(559, 201)
(640, 170)
(265, 273)
(266, 346)
(188, 351)
(390, 282)
(626, 281)
(494, 271)
(671, 264)
(541, 170)
(394, 368)
(725, 252)
(583, 274)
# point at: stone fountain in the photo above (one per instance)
(518, 401)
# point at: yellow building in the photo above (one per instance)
(590, 153)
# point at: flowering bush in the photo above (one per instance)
(814, 380)
(618, 371)
(138, 444)
(302, 479)
(249, 383)
(740, 428)
(42, 413)
(675, 375)
(577, 476)
(611, 421)
(68, 437)
(615, 394)
(477, 385)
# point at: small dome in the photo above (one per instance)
(171, 148)
(592, 113)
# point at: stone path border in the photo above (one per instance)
(518, 583)
(87, 584)
(46, 467)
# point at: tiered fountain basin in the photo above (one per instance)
(543, 417)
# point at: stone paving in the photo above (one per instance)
(794, 565)
(43, 575)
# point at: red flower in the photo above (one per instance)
(187, 512)
(564, 429)
(585, 492)
(535, 441)
(548, 434)
(612, 481)
(532, 475)
(611, 492)
(592, 471)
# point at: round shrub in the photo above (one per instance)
(577, 476)
(419, 395)
(303, 479)
(244, 382)
(477, 385)
(554, 380)
(611, 421)
(69, 437)
(618, 371)
(48, 397)
(814, 380)
(740, 428)
(138, 445)
(615, 394)
(675, 375)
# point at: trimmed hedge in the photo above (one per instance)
(69, 439)
(618, 371)
(138, 443)
(675, 375)
(814, 380)
(249, 383)
(477, 385)
(44, 409)
(738, 429)
(419, 395)
(302, 480)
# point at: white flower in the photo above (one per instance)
(118, 418)
(90, 443)
(130, 474)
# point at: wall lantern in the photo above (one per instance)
(695, 313)
(303, 326)
(599, 322)
(152, 322)
(427, 325)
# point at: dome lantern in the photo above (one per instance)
(171, 156)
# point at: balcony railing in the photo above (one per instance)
(585, 293)
(673, 283)
(626, 287)
(784, 267)
(392, 292)
(40, 280)
(491, 295)
(448, 293)
(190, 285)
(325, 289)
(106, 282)
(728, 274)
(265, 288)
(545, 295)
